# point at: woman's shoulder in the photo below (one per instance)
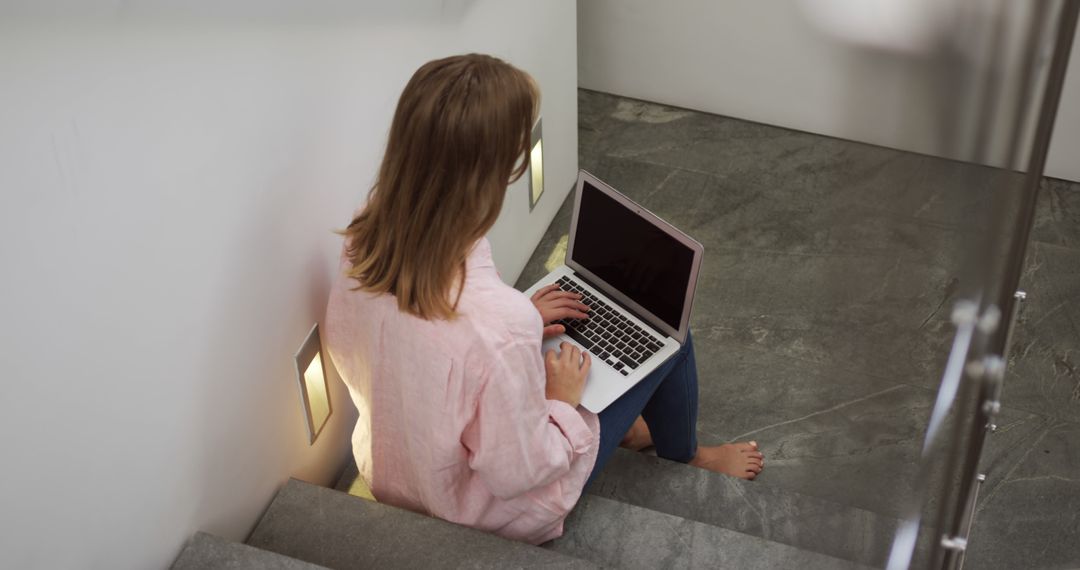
(498, 309)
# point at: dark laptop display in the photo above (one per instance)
(635, 257)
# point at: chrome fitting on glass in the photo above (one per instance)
(954, 543)
(994, 368)
(989, 320)
(965, 312)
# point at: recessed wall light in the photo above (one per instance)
(311, 377)
(536, 165)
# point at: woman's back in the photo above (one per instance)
(453, 417)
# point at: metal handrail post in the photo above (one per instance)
(1044, 129)
(989, 372)
(963, 457)
(965, 316)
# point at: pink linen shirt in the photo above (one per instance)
(453, 418)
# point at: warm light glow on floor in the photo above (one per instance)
(558, 254)
(359, 488)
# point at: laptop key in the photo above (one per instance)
(628, 361)
(579, 338)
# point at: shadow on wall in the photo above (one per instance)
(265, 375)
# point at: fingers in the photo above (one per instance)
(559, 294)
(550, 357)
(570, 351)
(573, 354)
(550, 304)
(553, 303)
(556, 297)
(553, 330)
(566, 313)
(539, 294)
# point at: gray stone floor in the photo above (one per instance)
(821, 320)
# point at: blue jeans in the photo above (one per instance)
(668, 401)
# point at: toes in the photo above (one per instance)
(755, 461)
(747, 447)
(754, 454)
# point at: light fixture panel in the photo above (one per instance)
(311, 377)
(536, 165)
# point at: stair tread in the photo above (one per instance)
(339, 531)
(787, 517)
(620, 535)
(209, 552)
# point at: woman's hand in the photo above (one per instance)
(555, 304)
(566, 373)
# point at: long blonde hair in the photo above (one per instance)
(461, 125)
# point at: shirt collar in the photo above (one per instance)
(480, 255)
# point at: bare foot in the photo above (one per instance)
(638, 437)
(742, 460)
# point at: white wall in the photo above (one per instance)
(766, 62)
(1063, 160)
(169, 180)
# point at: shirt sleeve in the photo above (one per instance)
(518, 440)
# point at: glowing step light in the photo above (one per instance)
(311, 375)
(536, 166)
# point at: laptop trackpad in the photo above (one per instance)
(604, 384)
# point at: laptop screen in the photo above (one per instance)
(635, 257)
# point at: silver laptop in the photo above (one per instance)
(638, 274)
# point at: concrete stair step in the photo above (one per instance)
(806, 522)
(616, 534)
(209, 552)
(327, 527)
(620, 535)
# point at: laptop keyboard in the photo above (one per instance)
(607, 334)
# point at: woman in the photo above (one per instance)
(461, 416)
